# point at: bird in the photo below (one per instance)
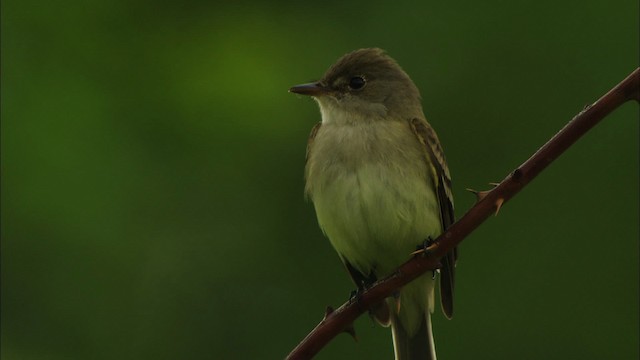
(380, 185)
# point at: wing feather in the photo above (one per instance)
(435, 156)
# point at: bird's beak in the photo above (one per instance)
(311, 89)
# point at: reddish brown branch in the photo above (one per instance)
(343, 317)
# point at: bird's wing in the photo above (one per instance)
(442, 180)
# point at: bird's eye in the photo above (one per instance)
(357, 82)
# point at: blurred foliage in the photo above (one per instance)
(152, 183)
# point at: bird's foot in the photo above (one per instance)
(426, 247)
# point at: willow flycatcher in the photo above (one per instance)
(380, 185)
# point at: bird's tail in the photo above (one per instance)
(419, 345)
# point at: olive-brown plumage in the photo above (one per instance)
(380, 185)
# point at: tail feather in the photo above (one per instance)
(419, 346)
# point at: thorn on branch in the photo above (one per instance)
(479, 194)
(328, 311)
(482, 194)
(499, 203)
(351, 331)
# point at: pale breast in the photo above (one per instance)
(369, 186)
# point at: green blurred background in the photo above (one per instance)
(152, 176)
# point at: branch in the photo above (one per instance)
(489, 202)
